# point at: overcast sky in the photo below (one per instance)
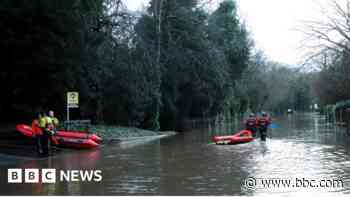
(273, 24)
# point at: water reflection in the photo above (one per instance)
(64, 161)
(303, 146)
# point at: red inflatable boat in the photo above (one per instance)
(72, 139)
(241, 137)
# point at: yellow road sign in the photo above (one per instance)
(72, 99)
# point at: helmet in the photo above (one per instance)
(251, 115)
(263, 114)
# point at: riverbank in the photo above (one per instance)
(118, 133)
(107, 133)
(14, 143)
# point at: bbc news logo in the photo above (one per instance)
(18, 175)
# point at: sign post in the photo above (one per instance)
(72, 101)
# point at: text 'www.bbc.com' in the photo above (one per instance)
(252, 183)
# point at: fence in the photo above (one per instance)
(339, 114)
(77, 125)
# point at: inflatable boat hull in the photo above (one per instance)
(72, 139)
(241, 137)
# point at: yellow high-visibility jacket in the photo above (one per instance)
(45, 121)
(42, 122)
(55, 121)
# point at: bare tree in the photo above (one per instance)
(329, 44)
(330, 34)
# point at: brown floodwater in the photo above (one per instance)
(302, 146)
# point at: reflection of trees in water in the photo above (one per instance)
(75, 160)
(206, 128)
(224, 124)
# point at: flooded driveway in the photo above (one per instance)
(303, 146)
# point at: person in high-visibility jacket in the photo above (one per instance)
(54, 125)
(37, 132)
(46, 125)
(55, 120)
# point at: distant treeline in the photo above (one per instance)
(172, 61)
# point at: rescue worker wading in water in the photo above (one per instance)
(55, 121)
(251, 124)
(47, 126)
(38, 132)
(263, 124)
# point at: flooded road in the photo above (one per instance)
(303, 146)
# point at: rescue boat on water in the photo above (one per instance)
(241, 137)
(71, 139)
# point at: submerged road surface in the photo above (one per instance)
(304, 154)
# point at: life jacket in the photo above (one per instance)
(264, 122)
(251, 122)
(42, 122)
(35, 127)
(55, 121)
(49, 123)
